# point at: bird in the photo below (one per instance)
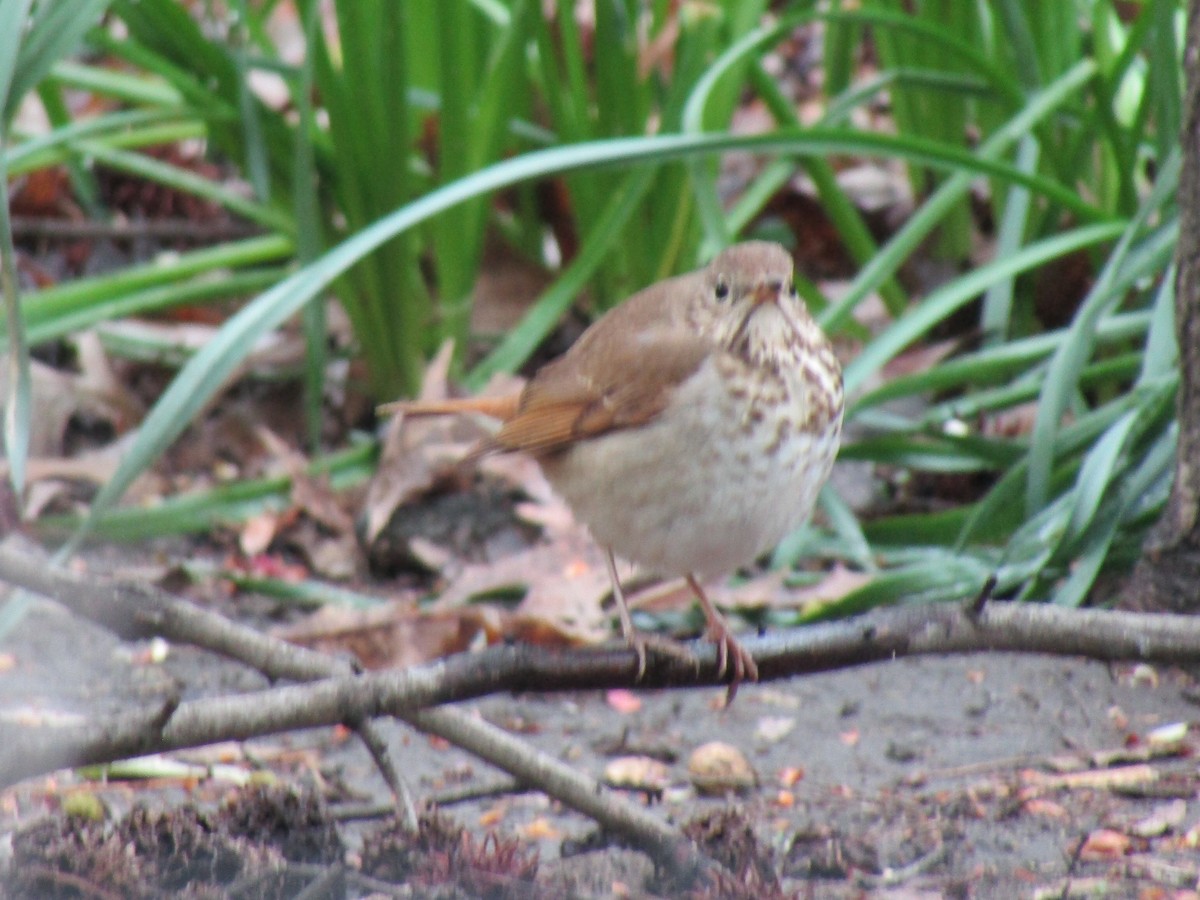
(689, 428)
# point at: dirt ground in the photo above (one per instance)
(977, 776)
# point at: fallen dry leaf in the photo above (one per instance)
(1015, 421)
(790, 776)
(540, 829)
(400, 634)
(1046, 809)
(258, 532)
(332, 556)
(42, 491)
(623, 701)
(768, 590)
(419, 452)
(637, 773)
(395, 635)
(522, 472)
(311, 494)
(1163, 818)
(494, 816)
(268, 565)
(56, 396)
(564, 580)
(837, 583)
(1105, 845)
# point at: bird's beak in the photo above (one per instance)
(767, 292)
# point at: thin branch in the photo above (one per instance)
(649, 833)
(879, 635)
(156, 229)
(133, 610)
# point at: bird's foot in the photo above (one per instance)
(644, 644)
(731, 655)
(729, 648)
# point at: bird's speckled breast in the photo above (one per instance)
(733, 464)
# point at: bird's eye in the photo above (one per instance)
(792, 288)
(722, 289)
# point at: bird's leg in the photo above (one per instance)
(627, 628)
(638, 641)
(728, 647)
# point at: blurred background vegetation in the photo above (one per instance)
(375, 151)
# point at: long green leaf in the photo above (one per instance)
(889, 259)
(1125, 265)
(57, 27)
(13, 17)
(17, 389)
(945, 300)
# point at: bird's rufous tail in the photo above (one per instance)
(496, 407)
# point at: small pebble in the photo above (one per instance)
(719, 768)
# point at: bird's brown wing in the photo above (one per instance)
(620, 374)
(563, 404)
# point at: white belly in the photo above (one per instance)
(708, 494)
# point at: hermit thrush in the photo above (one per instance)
(690, 428)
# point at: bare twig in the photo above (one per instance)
(648, 832)
(879, 635)
(466, 793)
(157, 229)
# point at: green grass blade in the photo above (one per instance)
(156, 299)
(940, 576)
(221, 506)
(32, 153)
(945, 300)
(1162, 347)
(545, 313)
(889, 259)
(997, 302)
(57, 27)
(132, 88)
(997, 363)
(1156, 464)
(18, 389)
(13, 15)
(1123, 267)
(1095, 475)
(45, 308)
(306, 212)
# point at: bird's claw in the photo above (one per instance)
(643, 644)
(730, 649)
